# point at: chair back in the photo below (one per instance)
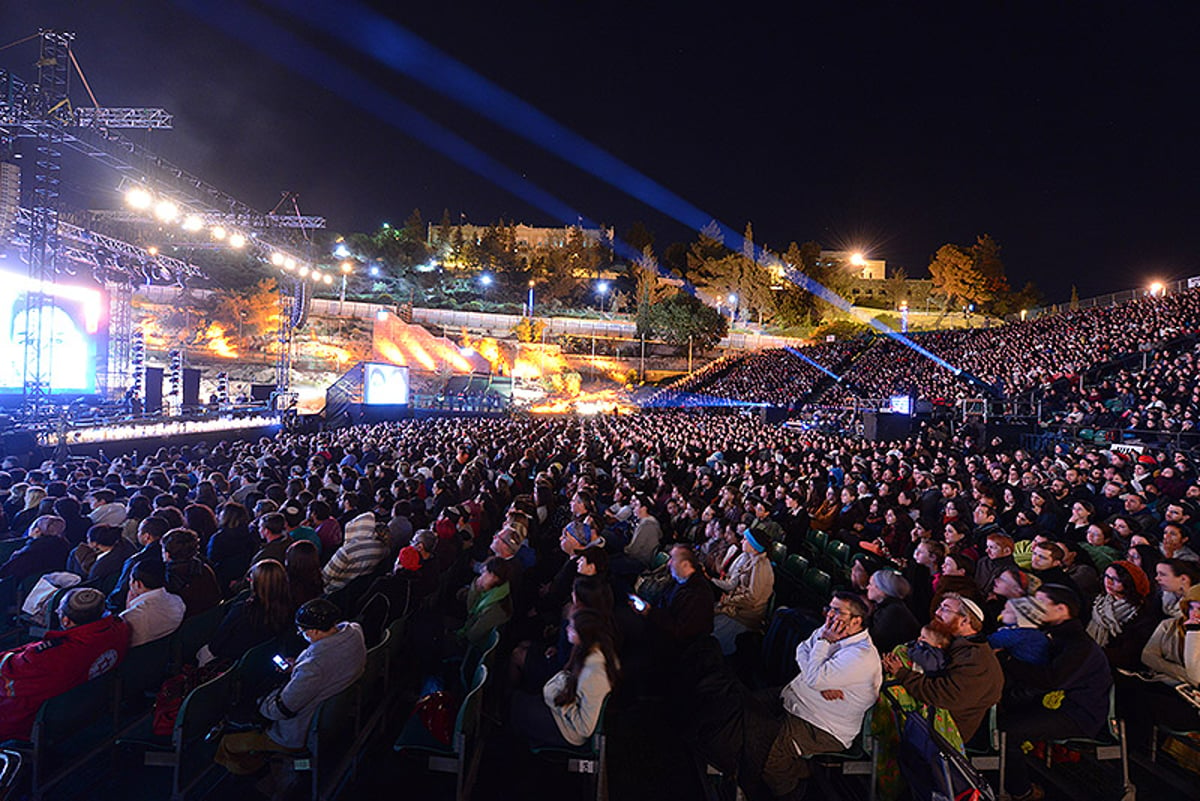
(142, 671)
(73, 723)
(467, 722)
(477, 655)
(194, 633)
(202, 709)
(374, 618)
(777, 552)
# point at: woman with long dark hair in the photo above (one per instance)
(303, 563)
(266, 613)
(571, 701)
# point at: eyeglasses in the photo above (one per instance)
(839, 612)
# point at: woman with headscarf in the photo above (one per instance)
(892, 622)
(1123, 617)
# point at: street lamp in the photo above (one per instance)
(530, 298)
(904, 317)
(347, 267)
(1157, 290)
(733, 299)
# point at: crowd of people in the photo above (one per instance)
(1041, 362)
(989, 574)
(776, 376)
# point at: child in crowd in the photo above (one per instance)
(1020, 633)
(928, 651)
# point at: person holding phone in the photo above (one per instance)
(334, 659)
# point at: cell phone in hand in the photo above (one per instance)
(280, 662)
(638, 603)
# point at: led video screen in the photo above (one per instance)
(72, 323)
(385, 384)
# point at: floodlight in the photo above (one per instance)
(304, 271)
(192, 222)
(289, 263)
(139, 198)
(236, 240)
(218, 232)
(166, 211)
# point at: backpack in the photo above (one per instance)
(169, 699)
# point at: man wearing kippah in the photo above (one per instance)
(88, 646)
(972, 681)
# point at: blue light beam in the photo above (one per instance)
(407, 53)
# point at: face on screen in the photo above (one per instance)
(65, 349)
(386, 384)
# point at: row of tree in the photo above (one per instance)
(745, 280)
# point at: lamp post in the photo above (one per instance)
(904, 317)
(347, 267)
(602, 291)
(531, 299)
(733, 309)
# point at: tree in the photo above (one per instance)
(970, 275)
(896, 286)
(1074, 298)
(708, 248)
(639, 237)
(681, 317)
(831, 278)
(445, 236)
(649, 290)
(956, 277)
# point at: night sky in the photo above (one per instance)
(1067, 133)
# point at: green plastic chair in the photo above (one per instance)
(1111, 744)
(591, 758)
(140, 675)
(659, 559)
(817, 541)
(332, 743)
(794, 566)
(193, 634)
(860, 759)
(187, 751)
(72, 729)
(839, 552)
(456, 757)
(818, 585)
(777, 552)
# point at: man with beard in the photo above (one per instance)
(972, 680)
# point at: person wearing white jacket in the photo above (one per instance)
(747, 590)
(569, 709)
(839, 680)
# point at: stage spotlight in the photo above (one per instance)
(192, 223)
(327, 278)
(237, 241)
(138, 198)
(152, 250)
(218, 233)
(277, 259)
(304, 271)
(289, 263)
(166, 211)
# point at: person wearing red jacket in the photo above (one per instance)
(88, 646)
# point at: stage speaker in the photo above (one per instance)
(153, 394)
(10, 199)
(191, 386)
(882, 426)
(261, 392)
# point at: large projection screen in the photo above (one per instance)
(73, 333)
(385, 384)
